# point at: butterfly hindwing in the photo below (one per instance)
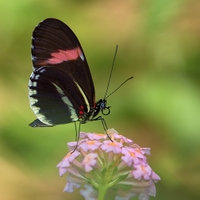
(55, 96)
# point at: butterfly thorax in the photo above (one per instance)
(100, 106)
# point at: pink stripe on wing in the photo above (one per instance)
(65, 55)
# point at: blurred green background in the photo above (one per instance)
(159, 44)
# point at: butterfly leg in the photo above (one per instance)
(77, 135)
(105, 127)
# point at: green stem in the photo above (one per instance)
(102, 190)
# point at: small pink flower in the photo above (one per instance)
(89, 161)
(146, 151)
(155, 177)
(109, 146)
(90, 145)
(69, 187)
(143, 171)
(96, 136)
(66, 162)
(131, 156)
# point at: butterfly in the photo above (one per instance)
(61, 89)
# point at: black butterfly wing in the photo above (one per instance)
(54, 97)
(54, 43)
(55, 47)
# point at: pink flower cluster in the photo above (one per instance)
(119, 167)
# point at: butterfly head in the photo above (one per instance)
(101, 106)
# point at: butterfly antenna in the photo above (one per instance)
(109, 79)
(120, 86)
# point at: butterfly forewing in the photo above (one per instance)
(51, 36)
